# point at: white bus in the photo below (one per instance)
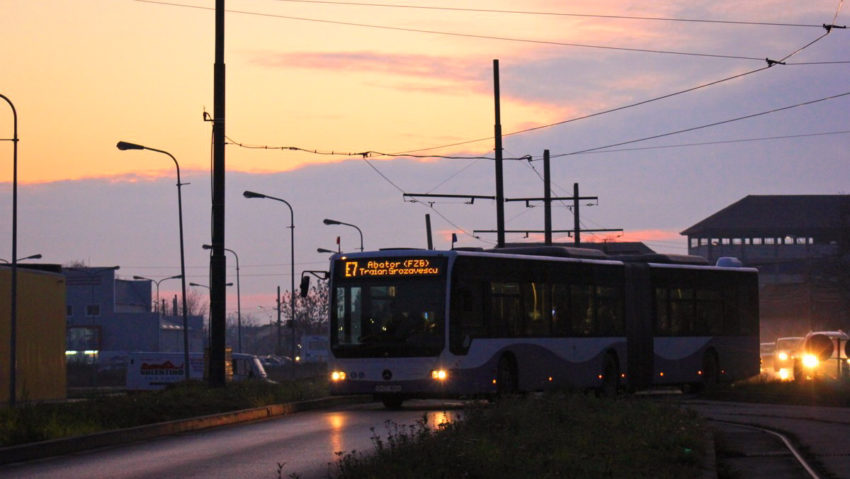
(421, 323)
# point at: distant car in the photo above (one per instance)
(766, 351)
(823, 355)
(271, 361)
(785, 352)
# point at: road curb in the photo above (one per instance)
(57, 447)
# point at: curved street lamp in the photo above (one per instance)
(156, 282)
(123, 145)
(13, 342)
(238, 299)
(252, 194)
(199, 285)
(335, 222)
(32, 256)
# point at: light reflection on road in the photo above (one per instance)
(307, 444)
(431, 414)
(337, 423)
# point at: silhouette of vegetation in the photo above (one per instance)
(554, 435)
(40, 422)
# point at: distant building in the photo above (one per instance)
(39, 334)
(801, 246)
(109, 316)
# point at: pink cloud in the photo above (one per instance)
(417, 66)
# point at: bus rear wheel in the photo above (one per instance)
(506, 377)
(710, 371)
(610, 377)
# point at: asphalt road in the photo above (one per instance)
(305, 443)
(822, 434)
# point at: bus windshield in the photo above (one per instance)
(401, 317)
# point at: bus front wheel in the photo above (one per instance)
(506, 377)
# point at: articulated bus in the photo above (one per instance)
(472, 323)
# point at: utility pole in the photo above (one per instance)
(576, 223)
(547, 200)
(500, 190)
(218, 261)
(279, 348)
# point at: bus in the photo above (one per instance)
(470, 323)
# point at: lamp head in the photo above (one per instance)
(206, 246)
(252, 194)
(330, 222)
(123, 145)
(140, 277)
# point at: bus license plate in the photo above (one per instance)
(394, 388)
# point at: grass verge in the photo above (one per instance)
(553, 435)
(39, 422)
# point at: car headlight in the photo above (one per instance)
(810, 361)
(337, 376)
(439, 375)
(783, 356)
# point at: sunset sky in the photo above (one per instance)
(584, 79)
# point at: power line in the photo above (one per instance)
(559, 14)
(708, 125)
(599, 113)
(465, 35)
(720, 142)
(362, 154)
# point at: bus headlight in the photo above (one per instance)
(810, 361)
(439, 375)
(784, 374)
(783, 356)
(337, 376)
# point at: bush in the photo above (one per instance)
(39, 422)
(539, 437)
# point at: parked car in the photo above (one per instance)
(823, 356)
(787, 349)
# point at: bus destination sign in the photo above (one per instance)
(389, 267)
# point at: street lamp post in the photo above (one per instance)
(123, 145)
(199, 285)
(238, 299)
(13, 342)
(335, 222)
(156, 282)
(251, 194)
(32, 256)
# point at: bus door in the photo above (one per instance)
(639, 324)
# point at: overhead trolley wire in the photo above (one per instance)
(721, 142)
(464, 35)
(557, 14)
(700, 127)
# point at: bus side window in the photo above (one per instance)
(581, 314)
(467, 317)
(506, 308)
(535, 297)
(662, 315)
(609, 312)
(560, 309)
